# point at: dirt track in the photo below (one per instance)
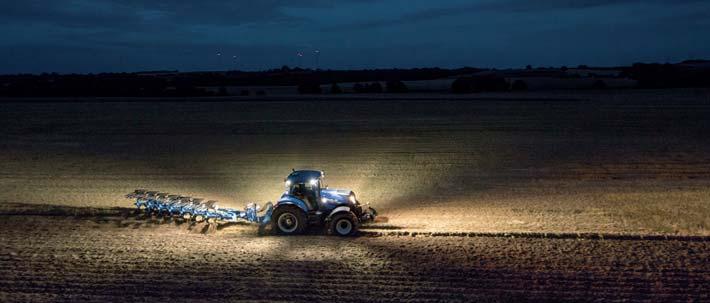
(112, 258)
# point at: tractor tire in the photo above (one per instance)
(288, 220)
(343, 224)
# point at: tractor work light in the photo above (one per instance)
(314, 182)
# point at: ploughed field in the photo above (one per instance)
(116, 256)
(617, 162)
(606, 194)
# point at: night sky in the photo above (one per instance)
(133, 35)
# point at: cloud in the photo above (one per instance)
(99, 35)
(139, 13)
(145, 23)
(509, 6)
(133, 14)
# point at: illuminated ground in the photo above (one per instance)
(633, 163)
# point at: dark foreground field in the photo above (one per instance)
(130, 258)
(625, 167)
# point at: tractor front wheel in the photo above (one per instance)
(343, 224)
(289, 220)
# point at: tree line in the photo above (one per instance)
(308, 81)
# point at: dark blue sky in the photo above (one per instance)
(132, 35)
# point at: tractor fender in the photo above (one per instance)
(338, 209)
(298, 203)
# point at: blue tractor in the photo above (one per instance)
(308, 201)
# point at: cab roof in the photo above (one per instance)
(303, 176)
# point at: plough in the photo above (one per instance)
(197, 209)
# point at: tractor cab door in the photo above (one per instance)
(307, 192)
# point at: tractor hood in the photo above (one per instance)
(340, 196)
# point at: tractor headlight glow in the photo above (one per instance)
(324, 199)
(288, 183)
(314, 182)
(352, 198)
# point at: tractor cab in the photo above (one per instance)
(305, 185)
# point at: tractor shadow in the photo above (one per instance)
(268, 229)
(366, 229)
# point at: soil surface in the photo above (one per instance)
(635, 162)
(114, 255)
(581, 196)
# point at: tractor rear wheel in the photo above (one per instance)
(289, 220)
(343, 224)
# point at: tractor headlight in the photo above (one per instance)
(324, 200)
(314, 182)
(352, 198)
(288, 183)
